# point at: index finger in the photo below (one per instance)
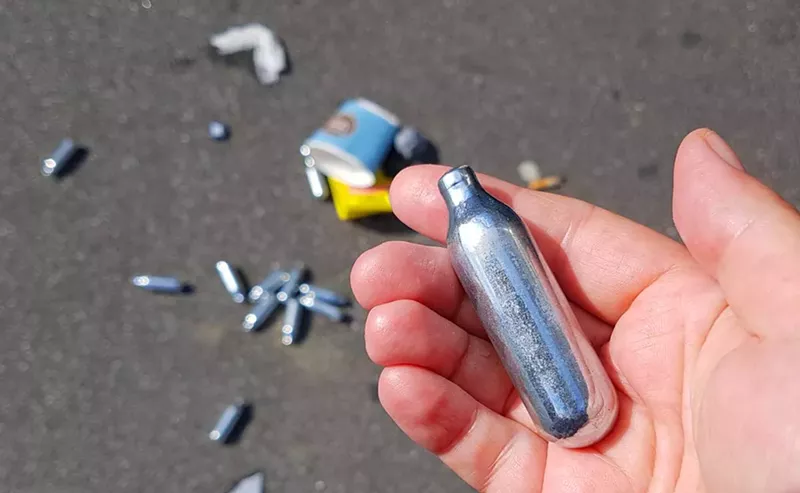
(601, 260)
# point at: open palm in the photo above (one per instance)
(701, 341)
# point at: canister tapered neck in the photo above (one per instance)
(458, 185)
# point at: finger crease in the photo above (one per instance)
(461, 298)
(497, 464)
(510, 400)
(461, 435)
(724, 306)
(613, 465)
(572, 231)
(656, 278)
(460, 360)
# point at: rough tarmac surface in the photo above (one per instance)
(107, 388)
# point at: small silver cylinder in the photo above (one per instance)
(60, 158)
(334, 313)
(269, 285)
(158, 284)
(324, 295)
(227, 423)
(218, 130)
(296, 277)
(317, 183)
(260, 313)
(526, 315)
(232, 281)
(292, 322)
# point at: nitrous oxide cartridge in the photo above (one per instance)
(529, 321)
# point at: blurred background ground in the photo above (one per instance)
(104, 388)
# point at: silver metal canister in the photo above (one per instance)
(317, 183)
(529, 321)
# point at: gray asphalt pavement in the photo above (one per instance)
(106, 388)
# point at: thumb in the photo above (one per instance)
(746, 425)
(741, 232)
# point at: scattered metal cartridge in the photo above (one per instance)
(228, 422)
(232, 281)
(334, 313)
(317, 182)
(261, 312)
(64, 154)
(269, 285)
(557, 373)
(159, 284)
(296, 277)
(292, 322)
(325, 295)
(219, 131)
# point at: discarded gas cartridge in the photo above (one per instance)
(232, 281)
(317, 182)
(229, 423)
(269, 285)
(296, 277)
(61, 158)
(322, 294)
(219, 131)
(160, 284)
(261, 313)
(292, 322)
(526, 315)
(334, 313)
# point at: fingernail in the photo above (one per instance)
(722, 149)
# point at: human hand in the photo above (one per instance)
(701, 341)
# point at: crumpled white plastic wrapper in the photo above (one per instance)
(529, 171)
(269, 57)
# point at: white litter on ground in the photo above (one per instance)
(269, 57)
(529, 171)
(251, 484)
